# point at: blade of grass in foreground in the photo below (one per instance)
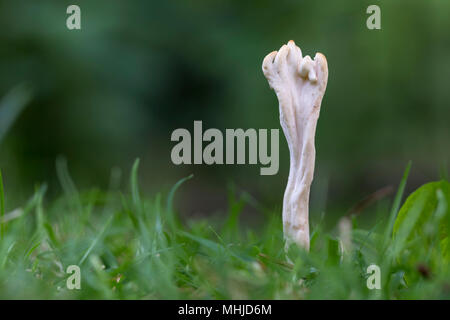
(2, 207)
(96, 240)
(396, 205)
(170, 197)
(134, 184)
(67, 184)
(173, 190)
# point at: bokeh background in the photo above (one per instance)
(137, 70)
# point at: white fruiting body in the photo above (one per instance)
(299, 83)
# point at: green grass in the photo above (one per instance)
(132, 247)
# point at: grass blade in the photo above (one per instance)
(2, 207)
(396, 204)
(96, 240)
(406, 228)
(173, 190)
(67, 184)
(134, 184)
(171, 219)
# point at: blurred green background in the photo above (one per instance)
(137, 70)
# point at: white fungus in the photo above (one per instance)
(299, 83)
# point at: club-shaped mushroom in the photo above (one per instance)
(299, 83)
